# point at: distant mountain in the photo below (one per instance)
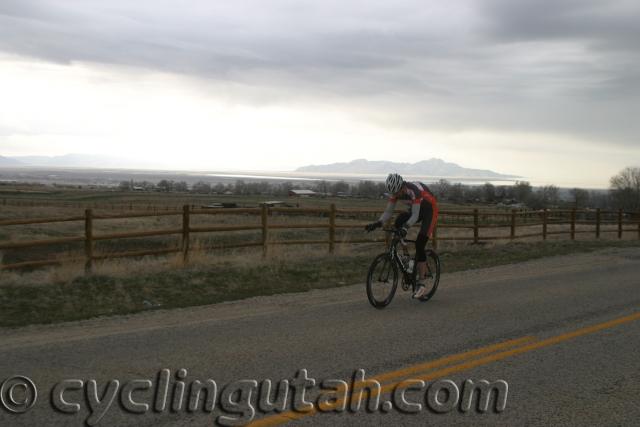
(10, 162)
(431, 168)
(74, 161)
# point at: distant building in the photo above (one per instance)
(302, 193)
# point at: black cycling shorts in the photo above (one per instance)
(425, 219)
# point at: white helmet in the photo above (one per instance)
(394, 183)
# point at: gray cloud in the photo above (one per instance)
(607, 25)
(546, 66)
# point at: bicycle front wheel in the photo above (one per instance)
(433, 275)
(382, 281)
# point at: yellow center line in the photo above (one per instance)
(288, 416)
(535, 345)
(450, 359)
(524, 349)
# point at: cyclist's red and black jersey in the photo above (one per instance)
(423, 207)
(416, 192)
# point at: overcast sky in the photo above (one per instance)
(545, 89)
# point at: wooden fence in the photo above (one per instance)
(474, 221)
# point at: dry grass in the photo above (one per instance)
(129, 286)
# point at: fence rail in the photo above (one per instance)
(465, 220)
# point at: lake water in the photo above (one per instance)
(332, 177)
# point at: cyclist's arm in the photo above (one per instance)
(415, 213)
(391, 205)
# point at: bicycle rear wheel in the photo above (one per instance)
(433, 274)
(382, 281)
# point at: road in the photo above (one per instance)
(562, 332)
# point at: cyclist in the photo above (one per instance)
(423, 209)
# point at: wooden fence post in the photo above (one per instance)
(638, 218)
(598, 223)
(88, 240)
(513, 224)
(544, 224)
(475, 226)
(185, 234)
(620, 223)
(573, 224)
(265, 230)
(332, 227)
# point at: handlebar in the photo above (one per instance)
(396, 233)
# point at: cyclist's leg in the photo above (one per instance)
(427, 214)
(434, 218)
(402, 218)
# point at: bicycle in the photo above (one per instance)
(382, 278)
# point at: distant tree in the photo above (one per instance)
(474, 193)
(340, 187)
(502, 192)
(547, 196)
(283, 189)
(441, 189)
(201, 187)
(165, 186)
(264, 188)
(181, 187)
(522, 191)
(148, 186)
(625, 189)
(456, 193)
(489, 193)
(367, 189)
(600, 199)
(125, 186)
(322, 187)
(251, 188)
(219, 188)
(239, 187)
(579, 197)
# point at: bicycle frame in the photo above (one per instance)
(393, 252)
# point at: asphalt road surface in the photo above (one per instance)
(561, 335)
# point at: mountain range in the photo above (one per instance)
(10, 162)
(69, 161)
(426, 168)
(431, 168)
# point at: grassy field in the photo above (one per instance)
(28, 196)
(64, 294)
